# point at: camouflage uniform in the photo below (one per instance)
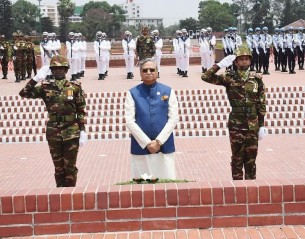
(19, 53)
(66, 104)
(246, 93)
(30, 56)
(145, 46)
(4, 55)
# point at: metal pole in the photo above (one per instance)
(39, 17)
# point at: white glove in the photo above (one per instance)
(41, 74)
(14, 58)
(262, 133)
(15, 48)
(1, 47)
(227, 61)
(83, 138)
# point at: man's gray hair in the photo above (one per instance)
(143, 61)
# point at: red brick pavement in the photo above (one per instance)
(28, 166)
(272, 232)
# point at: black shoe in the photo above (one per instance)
(17, 79)
(73, 77)
(128, 76)
(132, 76)
(99, 76)
(103, 76)
(292, 72)
(82, 74)
(185, 74)
(178, 71)
(78, 76)
(4, 77)
(29, 76)
(106, 73)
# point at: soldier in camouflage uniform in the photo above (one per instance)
(30, 56)
(65, 102)
(19, 57)
(246, 93)
(4, 55)
(145, 46)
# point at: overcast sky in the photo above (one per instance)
(170, 10)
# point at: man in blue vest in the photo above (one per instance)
(151, 113)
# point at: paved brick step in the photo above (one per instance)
(121, 120)
(196, 104)
(108, 128)
(119, 98)
(23, 138)
(33, 114)
(178, 92)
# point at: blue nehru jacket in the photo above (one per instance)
(151, 107)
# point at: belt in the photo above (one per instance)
(62, 118)
(243, 109)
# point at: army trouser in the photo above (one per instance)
(64, 155)
(244, 145)
(29, 64)
(4, 65)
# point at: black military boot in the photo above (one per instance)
(185, 74)
(202, 70)
(82, 74)
(106, 73)
(4, 76)
(23, 77)
(103, 76)
(29, 76)
(128, 76)
(178, 71)
(17, 79)
(73, 77)
(78, 76)
(60, 179)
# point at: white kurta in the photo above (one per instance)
(159, 165)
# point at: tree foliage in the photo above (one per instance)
(47, 24)
(112, 18)
(215, 15)
(24, 16)
(189, 24)
(6, 18)
(65, 9)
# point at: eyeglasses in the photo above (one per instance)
(148, 69)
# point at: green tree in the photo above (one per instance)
(24, 15)
(65, 9)
(6, 18)
(215, 15)
(115, 13)
(118, 18)
(262, 14)
(47, 24)
(97, 20)
(189, 24)
(95, 5)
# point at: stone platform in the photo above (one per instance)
(30, 205)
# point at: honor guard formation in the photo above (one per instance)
(285, 46)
